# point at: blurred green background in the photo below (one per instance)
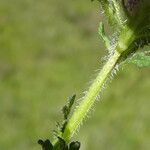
(49, 50)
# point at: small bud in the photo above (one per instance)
(74, 145)
(46, 145)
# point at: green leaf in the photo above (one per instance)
(112, 10)
(140, 59)
(67, 108)
(101, 31)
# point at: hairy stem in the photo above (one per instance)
(127, 36)
(89, 99)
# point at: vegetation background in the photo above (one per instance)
(49, 50)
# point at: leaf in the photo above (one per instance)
(101, 31)
(112, 10)
(65, 111)
(67, 108)
(140, 59)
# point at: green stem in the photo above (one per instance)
(89, 99)
(126, 38)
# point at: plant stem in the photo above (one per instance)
(91, 96)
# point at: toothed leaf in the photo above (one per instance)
(67, 108)
(140, 59)
(71, 101)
